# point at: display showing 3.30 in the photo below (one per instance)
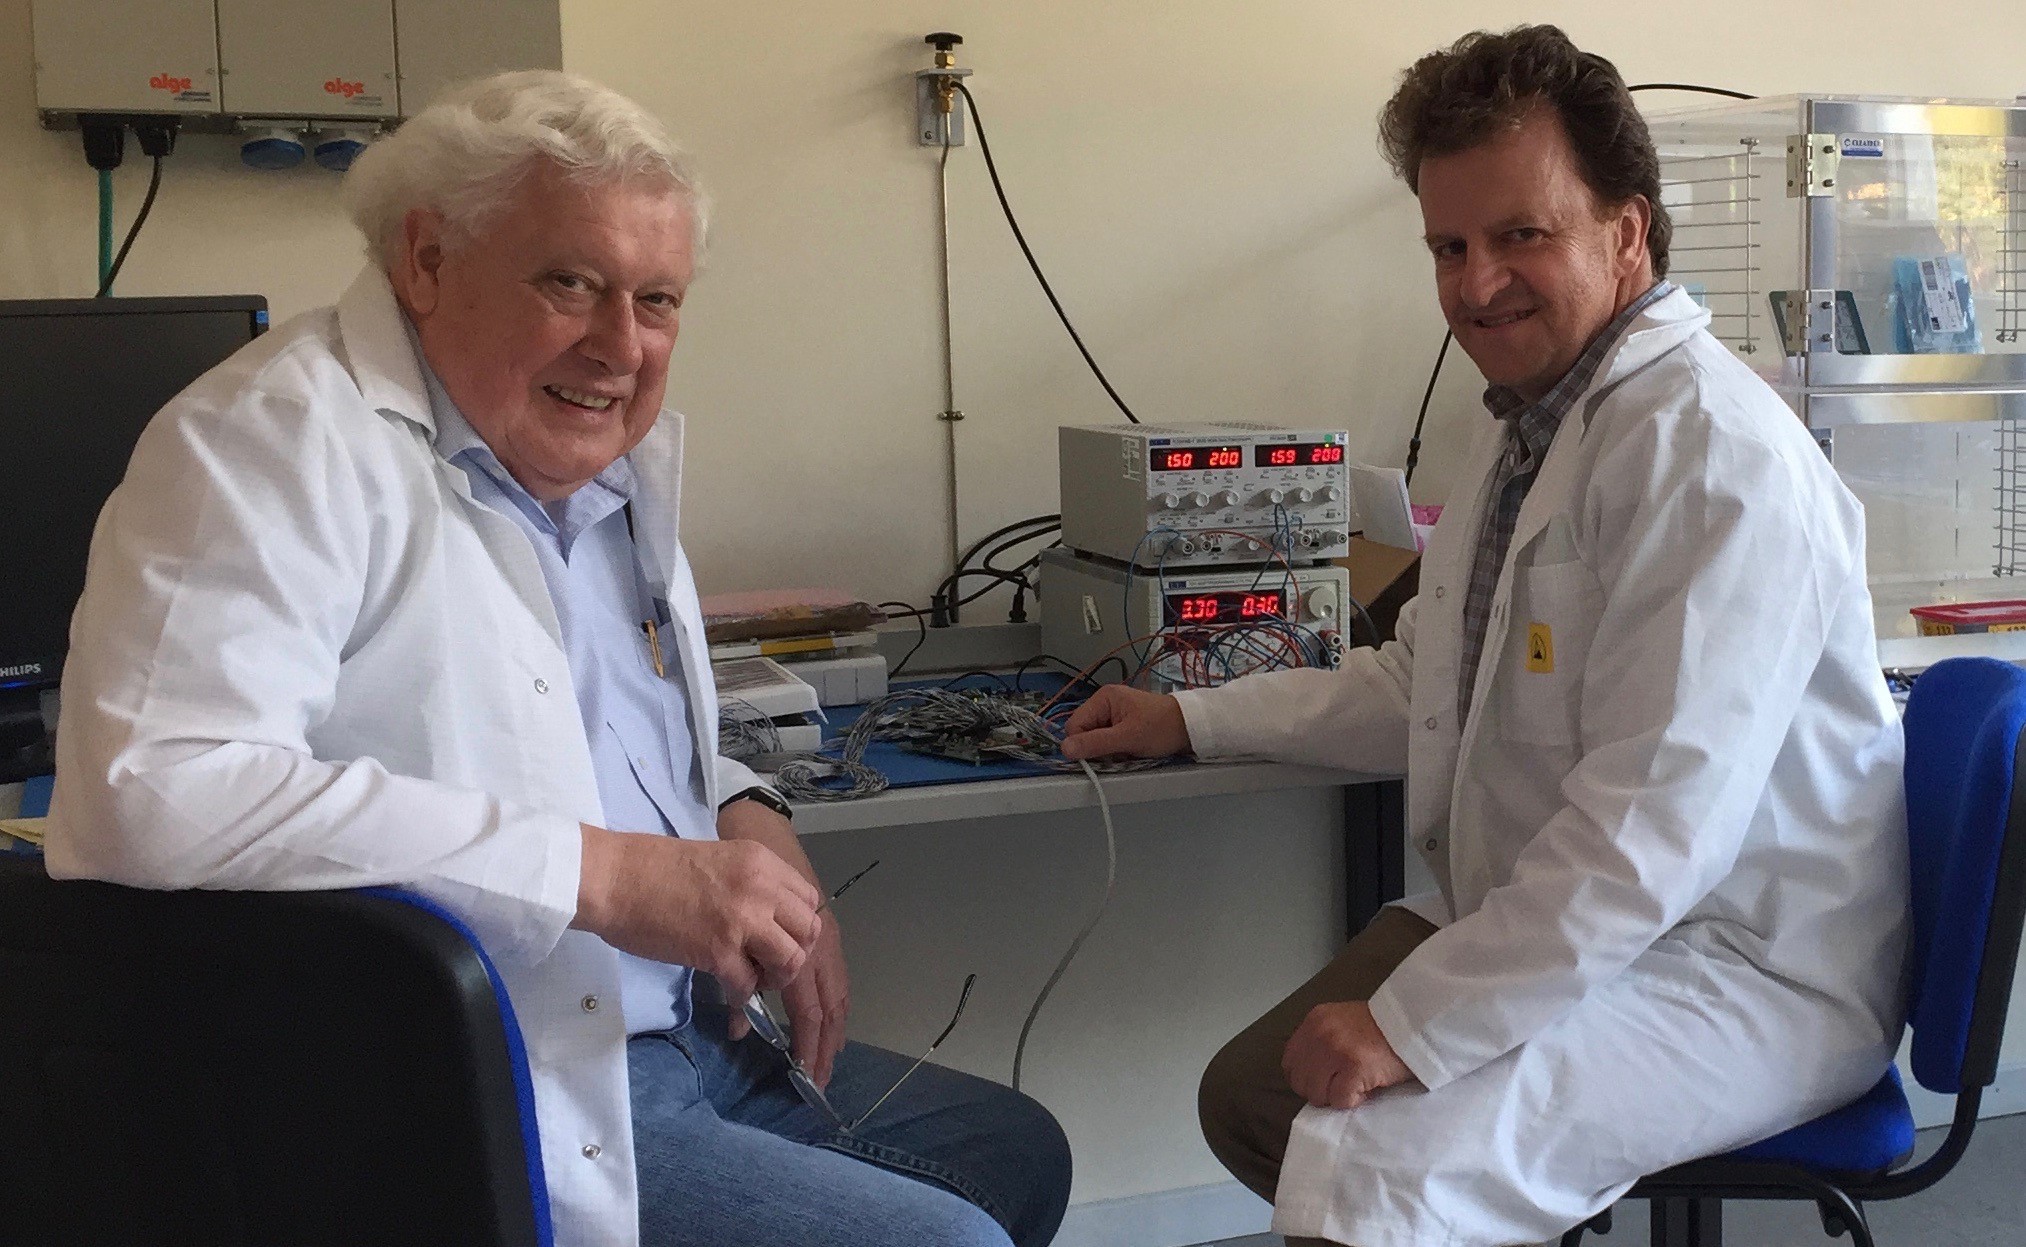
(1194, 458)
(1297, 455)
(1226, 607)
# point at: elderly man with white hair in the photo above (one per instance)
(395, 596)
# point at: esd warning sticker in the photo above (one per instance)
(1540, 648)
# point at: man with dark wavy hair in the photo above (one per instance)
(1651, 762)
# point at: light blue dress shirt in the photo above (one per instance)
(643, 751)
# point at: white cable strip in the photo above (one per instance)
(1111, 876)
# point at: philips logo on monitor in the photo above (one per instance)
(23, 669)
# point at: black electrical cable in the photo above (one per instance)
(1076, 675)
(921, 622)
(1726, 92)
(1414, 442)
(952, 584)
(1035, 562)
(140, 219)
(1048, 523)
(955, 680)
(978, 124)
(1015, 543)
(1015, 526)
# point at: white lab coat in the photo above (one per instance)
(306, 658)
(1671, 853)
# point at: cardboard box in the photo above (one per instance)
(1383, 579)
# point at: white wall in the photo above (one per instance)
(1199, 177)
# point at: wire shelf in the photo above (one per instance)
(2011, 274)
(1719, 195)
(2011, 552)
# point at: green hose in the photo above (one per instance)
(105, 226)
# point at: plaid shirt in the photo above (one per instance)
(1530, 429)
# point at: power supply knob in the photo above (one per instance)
(1300, 495)
(1226, 498)
(1319, 603)
(1168, 502)
(1197, 501)
(1329, 493)
(1273, 497)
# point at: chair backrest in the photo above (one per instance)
(1966, 823)
(237, 1069)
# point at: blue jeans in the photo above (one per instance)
(730, 1156)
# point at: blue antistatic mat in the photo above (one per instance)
(913, 770)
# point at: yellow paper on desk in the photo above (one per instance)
(28, 829)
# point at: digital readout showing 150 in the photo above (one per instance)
(1299, 455)
(1231, 607)
(1194, 458)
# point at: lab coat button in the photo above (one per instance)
(1439, 591)
(590, 1004)
(591, 1151)
(1431, 844)
(541, 685)
(1431, 723)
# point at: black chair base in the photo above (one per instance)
(1689, 1214)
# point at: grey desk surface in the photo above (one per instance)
(941, 803)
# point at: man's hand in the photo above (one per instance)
(734, 910)
(819, 1004)
(819, 998)
(1338, 1057)
(1120, 720)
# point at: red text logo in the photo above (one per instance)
(338, 86)
(170, 83)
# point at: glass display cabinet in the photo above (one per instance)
(1864, 256)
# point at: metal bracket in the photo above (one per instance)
(931, 122)
(1810, 317)
(1812, 162)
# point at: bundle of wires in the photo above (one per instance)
(972, 724)
(744, 731)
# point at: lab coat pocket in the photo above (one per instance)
(1553, 618)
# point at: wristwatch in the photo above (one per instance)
(765, 796)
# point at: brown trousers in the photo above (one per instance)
(1246, 1107)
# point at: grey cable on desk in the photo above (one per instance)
(1111, 877)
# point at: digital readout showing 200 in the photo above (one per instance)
(1194, 458)
(1298, 455)
(1229, 607)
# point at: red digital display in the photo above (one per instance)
(1298, 455)
(1227, 607)
(1192, 458)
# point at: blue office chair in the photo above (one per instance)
(240, 1069)
(1967, 827)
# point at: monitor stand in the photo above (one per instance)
(27, 734)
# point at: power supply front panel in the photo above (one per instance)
(1191, 628)
(1203, 495)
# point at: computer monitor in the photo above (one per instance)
(79, 379)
